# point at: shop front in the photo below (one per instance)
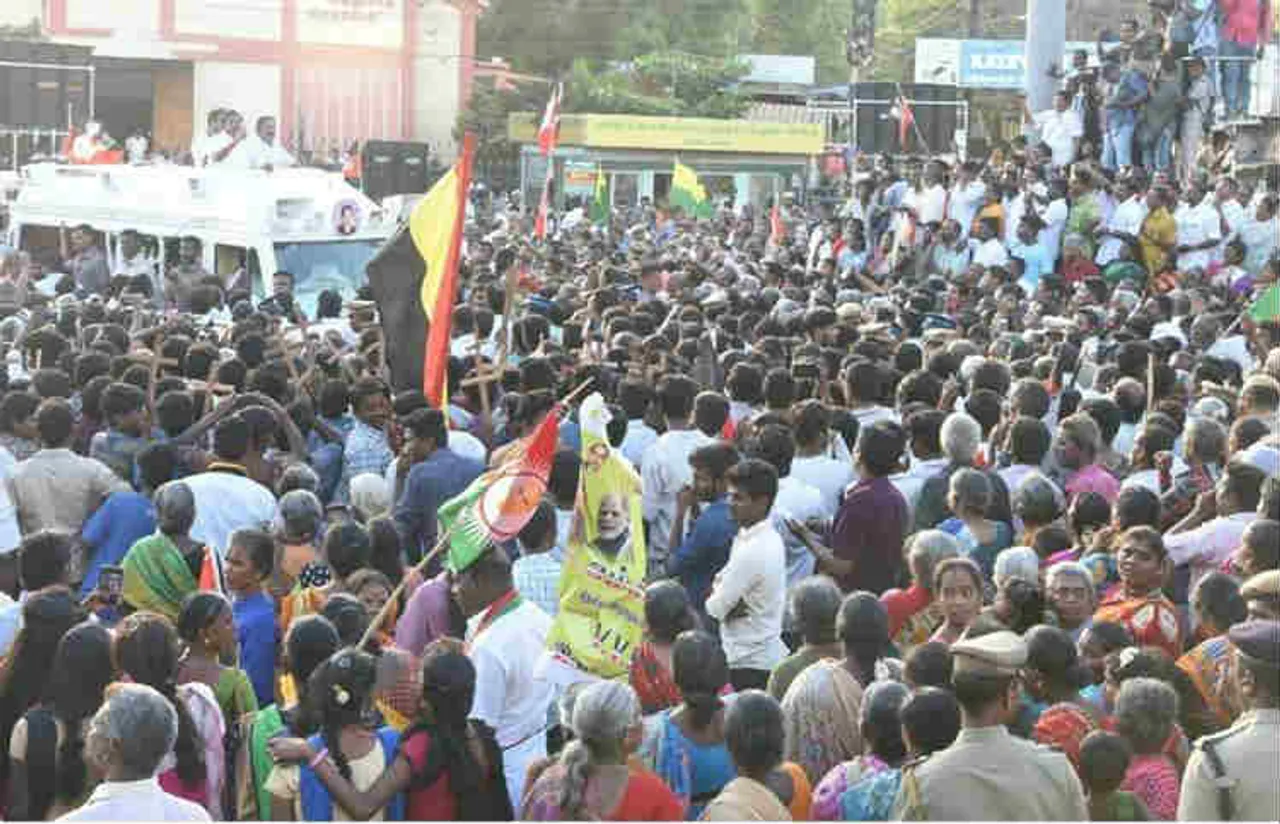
(743, 162)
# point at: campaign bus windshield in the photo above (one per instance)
(317, 266)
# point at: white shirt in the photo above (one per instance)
(508, 697)
(10, 532)
(135, 801)
(225, 502)
(1054, 216)
(1234, 215)
(1059, 131)
(1125, 436)
(1260, 239)
(965, 203)
(11, 622)
(640, 436)
(1208, 545)
(930, 204)
(990, 253)
(827, 475)
(911, 482)
(755, 575)
(1127, 218)
(1197, 224)
(664, 472)
(255, 153)
(801, 502)
(206, 146)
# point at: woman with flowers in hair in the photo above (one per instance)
(339, 698)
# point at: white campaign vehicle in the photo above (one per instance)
(307, 222)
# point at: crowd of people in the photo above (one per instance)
(959, 501)
(1153, 93)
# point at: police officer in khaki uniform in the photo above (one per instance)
(1234, 775)
(988, 774)
(1261, 594)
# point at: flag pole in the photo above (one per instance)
(443, 540)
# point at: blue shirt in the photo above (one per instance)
(255, 619)
(123, 519)
(1037, 262)
(441, 476)
(705, 550)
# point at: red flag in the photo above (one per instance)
(549, 131)
(775, 223)
(438, 304)
(906, 119)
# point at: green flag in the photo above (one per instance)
(600, 203)
(1267, 307)
(498, 504)
(688, 193)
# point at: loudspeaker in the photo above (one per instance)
(878, 125)
(391, 167)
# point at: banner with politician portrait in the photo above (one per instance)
(601, 614)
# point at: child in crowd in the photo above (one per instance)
(1104, 760)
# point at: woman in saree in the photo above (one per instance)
(1211, 665)
(161, 570)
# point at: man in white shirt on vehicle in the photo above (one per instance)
(748, 595)
(261, 150)
(217, 142)
(1199, 229)
(1060, 129)
(665, 470)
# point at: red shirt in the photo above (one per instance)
(901, 604)
(434, 802)
(646, 799)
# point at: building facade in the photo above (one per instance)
(330, 71)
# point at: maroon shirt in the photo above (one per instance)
(868, 530)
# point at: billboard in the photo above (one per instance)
(978, 64)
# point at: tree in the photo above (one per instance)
(778, 27)
(662, 83)
(547, 36)
(497, 158)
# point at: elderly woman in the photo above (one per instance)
(1211, 665)
(594, 778)
(881, 727)
(1146, 710)
(128, 738)
(162, 570)
(914, 615)
(1018, 603)
(370, 497)
(1037, 503)
(753, 730)
(961, 443)
(815, 602)
(980, 538)
(1069, 586)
